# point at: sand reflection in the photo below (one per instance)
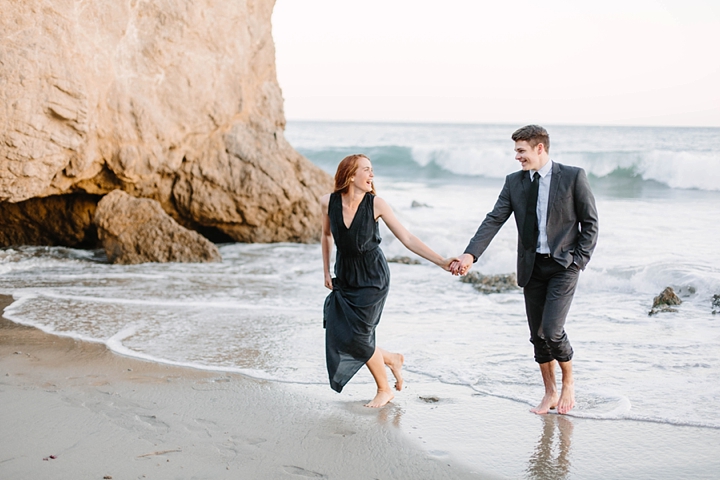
(551, 458)
(390, 414)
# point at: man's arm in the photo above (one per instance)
(587, 218)
(491, 225)
(485, 233)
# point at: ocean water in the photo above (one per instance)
(259, 312)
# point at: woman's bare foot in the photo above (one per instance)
(549, 401)
(395, 364)
(567, 399)
(381, 399)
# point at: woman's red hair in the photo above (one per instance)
(346, 170)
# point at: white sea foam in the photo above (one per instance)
(680, 158)
(159, 303)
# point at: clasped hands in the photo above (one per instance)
(460, 265)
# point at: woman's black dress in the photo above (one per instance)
(360, 287)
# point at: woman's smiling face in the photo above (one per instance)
(363, 178)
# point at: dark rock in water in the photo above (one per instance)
(716, 304)
(686, 291)
(137, 230)
(429, 399)
(491, 283)
(416, 204)
(404, 260)
(662, 309)
(664, 302)
(667, 297)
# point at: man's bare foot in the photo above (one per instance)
(549, 401)
(567, 399)
(381, 399)
(396, 368)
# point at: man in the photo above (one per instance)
(557, 226)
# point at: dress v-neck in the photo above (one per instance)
(354, 216)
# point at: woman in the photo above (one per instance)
(353, 309)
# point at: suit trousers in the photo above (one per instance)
(548, 296)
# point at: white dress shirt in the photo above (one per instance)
(542, 205)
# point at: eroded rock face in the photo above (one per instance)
(137, 230)
(56, 220)
(176, 101)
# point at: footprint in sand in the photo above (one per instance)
(255, 441)
(335, 434)
(301, 472)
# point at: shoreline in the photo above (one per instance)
(104, 414)
(77, 410)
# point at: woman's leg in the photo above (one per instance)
(395, 362)
(376, 365)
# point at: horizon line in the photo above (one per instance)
(458, 122)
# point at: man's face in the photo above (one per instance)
(529, 157)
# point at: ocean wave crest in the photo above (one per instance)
(681, 170)
(697, 170)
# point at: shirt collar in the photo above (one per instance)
(547, 168)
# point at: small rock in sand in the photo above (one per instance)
(430, 399)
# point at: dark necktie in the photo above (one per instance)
(530, 229)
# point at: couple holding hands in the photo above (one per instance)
(557, 224)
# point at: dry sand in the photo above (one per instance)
(73, 409)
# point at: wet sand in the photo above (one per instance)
(74, 409)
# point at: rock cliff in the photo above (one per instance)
(173, 100)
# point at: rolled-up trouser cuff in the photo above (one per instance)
(548, 296)
(550, 358)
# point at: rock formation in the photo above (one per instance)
(404, 260)
(176, 101)
(665, 301)
(54, 220)
(491, 283)
(137, 230)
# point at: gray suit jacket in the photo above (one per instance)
(572, 220)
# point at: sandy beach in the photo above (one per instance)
(74, 409)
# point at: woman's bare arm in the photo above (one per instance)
(411, 242)
(326, 240)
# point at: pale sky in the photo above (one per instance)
(631, 62)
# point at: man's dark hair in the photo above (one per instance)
(533, 134)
